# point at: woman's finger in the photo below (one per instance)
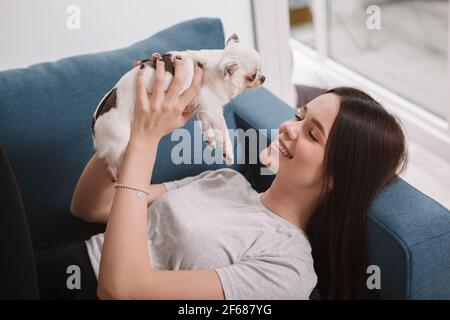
(158, 85)
(177, 84)
(141, 91)
(195, 87)
(139, 62)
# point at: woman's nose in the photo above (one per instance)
(290, 129)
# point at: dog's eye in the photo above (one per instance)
(252, 77)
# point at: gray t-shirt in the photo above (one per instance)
(215, 220)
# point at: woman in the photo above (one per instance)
(336, 155)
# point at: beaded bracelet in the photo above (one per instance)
(140, 192)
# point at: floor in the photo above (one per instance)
(428, 173)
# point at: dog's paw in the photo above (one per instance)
(228, 154)
(208, 131)
(228, 158)
(210, 139)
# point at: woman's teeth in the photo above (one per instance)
(283, 150)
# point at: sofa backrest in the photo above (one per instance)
(45, 119)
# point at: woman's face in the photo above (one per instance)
(303, 139)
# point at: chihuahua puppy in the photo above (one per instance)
(227, 73)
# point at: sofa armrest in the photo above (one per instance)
(409, 239)
(260, 109)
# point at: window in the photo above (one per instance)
(301, 21)
(404, 64)
(407, 55)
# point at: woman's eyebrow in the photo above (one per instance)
(314, 120)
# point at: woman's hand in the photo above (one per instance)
(160, 113)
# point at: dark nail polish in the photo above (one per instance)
(178, 57)
(200, 64)
(142, 66)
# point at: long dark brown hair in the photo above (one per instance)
(365, 151)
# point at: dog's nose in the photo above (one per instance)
(262, 79)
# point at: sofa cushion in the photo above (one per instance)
(306, 94)
(45, 118)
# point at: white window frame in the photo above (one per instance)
(272, 33)
(420, 125)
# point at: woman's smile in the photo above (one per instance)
(279, 146)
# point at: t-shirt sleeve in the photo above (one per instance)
(268, 278)
(182, 182)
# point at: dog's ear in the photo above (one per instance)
(229, 69)
(232, 39)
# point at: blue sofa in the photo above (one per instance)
(45, 117)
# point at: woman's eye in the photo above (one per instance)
(309, 132)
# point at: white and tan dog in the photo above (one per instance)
(227, 73)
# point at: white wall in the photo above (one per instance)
(36, 31)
